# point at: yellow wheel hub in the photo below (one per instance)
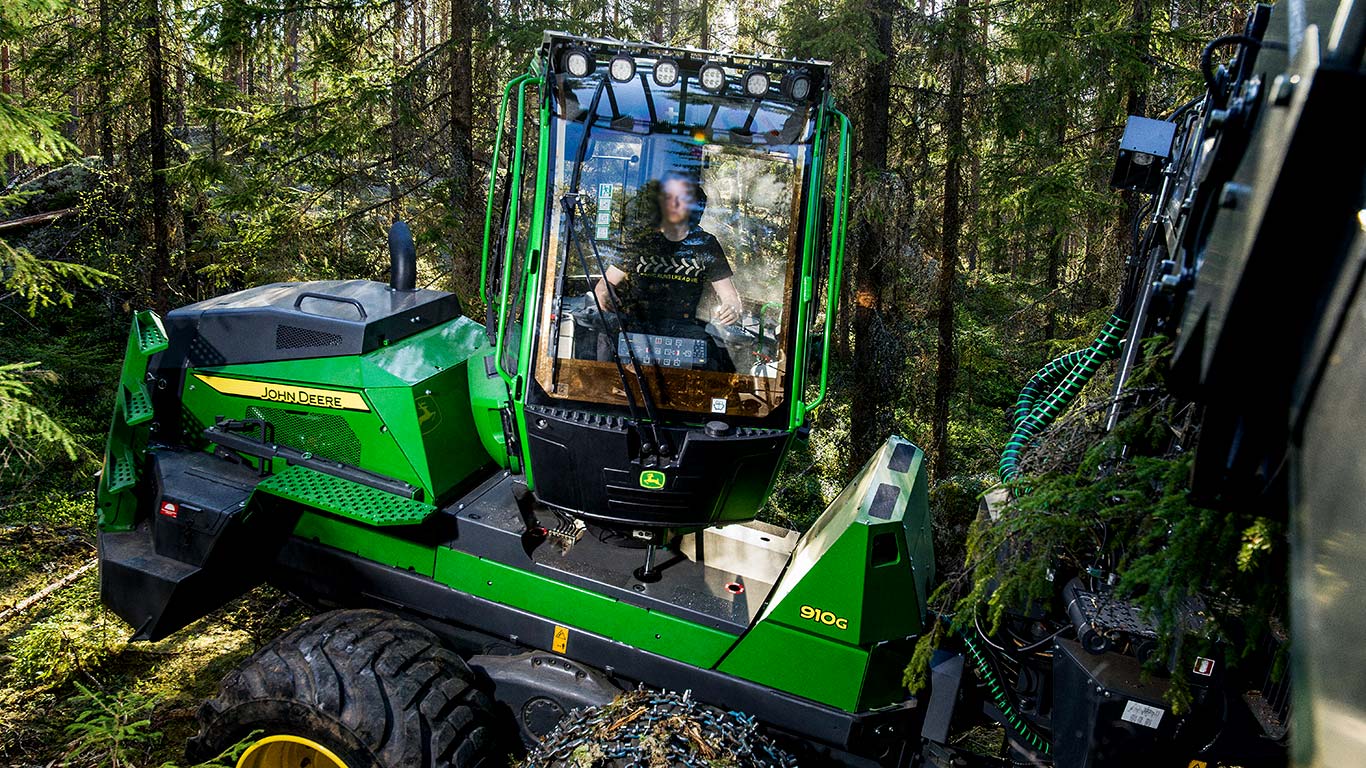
(284, 751)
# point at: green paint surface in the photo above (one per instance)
(578, 608)
(854, 581)
(420, 427)
(367, 542)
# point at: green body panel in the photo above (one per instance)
(378, 452)
(367, 542)
(581, 609)
(125, 447)
(833, 567)
(857, 578)
(800, 663)
(488, 397)
(420, 420)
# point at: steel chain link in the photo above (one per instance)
(653, 729)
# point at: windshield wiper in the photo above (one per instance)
(651, 411)
(570, 201)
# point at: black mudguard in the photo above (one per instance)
(201, 540)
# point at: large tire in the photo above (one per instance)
(371, 689)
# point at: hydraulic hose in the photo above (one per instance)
(1002, 701)
(1044, 381)
(1041, 414)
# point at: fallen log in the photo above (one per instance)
(37, 218)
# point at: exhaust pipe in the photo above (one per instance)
(402, 258)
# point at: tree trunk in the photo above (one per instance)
(396, 131)
(103, 105)
(292, 52)
(1135, 103)
(868, 425)
(947, 362)
(5, 86)
(156, 101)
(463, 252)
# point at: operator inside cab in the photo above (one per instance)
(661, 278)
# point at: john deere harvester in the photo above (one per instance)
(549, 508)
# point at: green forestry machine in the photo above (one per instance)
(544, 511)
(540, 529)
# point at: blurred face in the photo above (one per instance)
(675, 201)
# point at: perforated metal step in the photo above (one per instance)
(345, 498)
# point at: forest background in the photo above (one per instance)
(158, 152)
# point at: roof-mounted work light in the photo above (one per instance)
(712, 77)
(797, 84)
(666, 73)
(622, 68)
(756, 83)
(578, 62)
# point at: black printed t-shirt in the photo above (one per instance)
(664, 279)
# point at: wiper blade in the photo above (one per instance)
(651, 412)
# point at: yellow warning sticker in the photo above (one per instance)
(287, 394)
(1198, 764)
(561, 639)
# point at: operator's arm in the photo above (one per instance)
(614, 275)
(729, 310)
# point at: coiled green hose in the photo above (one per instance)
(1080, 366)
(1044, 382)
(998, 695)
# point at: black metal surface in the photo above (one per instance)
(590, 464)
(1091, 695)
(901, 457)
(946, 676)
(1328, 484)
(197, 497)
(230, 548)
(229, 434)
(489, 525)
(1233, 353)
(539, 688)
(294, 321)
(331, 575)
(402, 258)
(884, 501)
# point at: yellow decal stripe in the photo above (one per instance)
(286, 394)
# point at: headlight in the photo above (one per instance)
(666, 73)
(756, 83)
(712, 77)
(578, 62)
(797, 85)
(622, 68)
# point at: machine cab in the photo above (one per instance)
(658, 274)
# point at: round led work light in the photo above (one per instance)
(622, 68)
(797, 85)
(666, 73)
(712, 77)
(578, 62)
(756, 83)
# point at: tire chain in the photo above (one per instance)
(653, 729)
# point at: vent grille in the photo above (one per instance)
(322, 434)
(294, 337)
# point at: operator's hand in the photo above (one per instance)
(726, 314)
